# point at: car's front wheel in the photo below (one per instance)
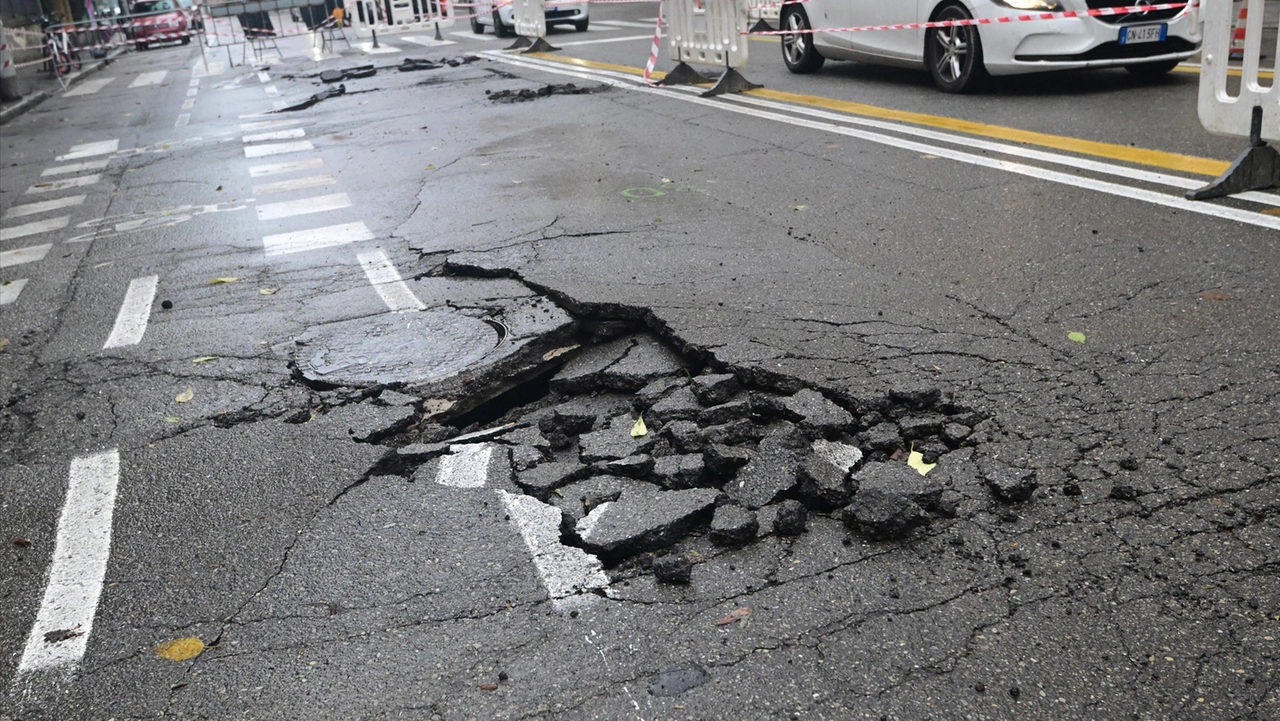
(582, 25)
(499, 29)
(1152, 70)
(476, 27)
(954, 54)
(798, 51)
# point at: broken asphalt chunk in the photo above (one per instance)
(614, 441)
(723, 460)
(680, 471)
(792, 518)
(582, 373)
(637, 466)
(714, 389)
(643, 521)
(679, 405)
(814, 411)
(580, 498)
(772, 469)
(733, 525)
(1011, 485)
(367, 422)
(318, 97)
(891, 501)
(673, 568)
(543, 478)
(827, 472)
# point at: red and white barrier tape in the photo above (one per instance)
(653, 50)
(1067, 14)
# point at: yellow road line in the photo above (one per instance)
(1231, 72)
(1138, 156)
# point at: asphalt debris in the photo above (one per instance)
(546, 91)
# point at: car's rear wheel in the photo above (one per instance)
(186, 39)
(954, 54)
(1152, 70)
(142, 47)
(582, 25)
(476, 27)
(798, 51)
(499, 29)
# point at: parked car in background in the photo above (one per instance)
(503, 18)
(161, 21)
(959, 58)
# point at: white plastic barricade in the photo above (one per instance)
(1246, 108)
(709, 32)
(764, 14)
(370, 17)
(530, 19)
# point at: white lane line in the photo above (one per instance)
(88, 150)
(623, 23)
(262, 151)
(1086, 183)
(10, 258)
(182, 120)
(466, 467)
(44, 206)
(263, 77)
(195, 83)
(202, 70)
(152, 78)
(303, 206)
(369, 49)
(192, 92)
(88, 87)
(569, 574)
(284, 186)
(131, 321)
(272, 91)
(315, 238)
(275, 135)
(426, 41)
(258, 171)
(40, 226)
(473, 36)
(74, 168)
(55, 185)
(609, 40)
(188, 104)
(61, 630)
(387, 282)
(267, 124)
(10, 290)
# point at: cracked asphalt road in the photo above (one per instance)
(330, 577)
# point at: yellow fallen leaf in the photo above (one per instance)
(549, 355)
(430, 166)
(172, 419)
(180, 649)
(267, 291)
(186, 395)
(3, 342)
(204, 359)
(216, 281)
(915, 459)
(639, 429)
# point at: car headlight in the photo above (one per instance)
(1040, 5)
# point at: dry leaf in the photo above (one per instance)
(3, 342)
(1213, 295)
(488, 687)
(736, 615)
(20, 541)
(180, 649)
(267, 291)
(204, 359)
(172, 419)
(216, 281)
(186, 395)
(915, 459)
(639, 429)
(551, 354)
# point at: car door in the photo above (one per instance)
(899, 44)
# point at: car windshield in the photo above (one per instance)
(152, 6)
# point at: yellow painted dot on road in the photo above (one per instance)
(180, 649)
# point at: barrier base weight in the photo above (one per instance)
(731, 82)
(520, 43)
(1257, 168)
(539, 45)
(684, 74)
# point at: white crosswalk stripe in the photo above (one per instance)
(88, 87)
(304, 206)
(75, 168)
(315, 238)
(275, 135)
(154, 77)
(35, 228)
(56, 185)
(89, 150)
(10, 258)
(285, 186)
(44, 206)
(259, 171)
(10, 290)
(262, 151)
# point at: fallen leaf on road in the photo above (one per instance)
(267, 291)
(430, 166)
(3, 342)
(219, 188)
(186, 395)
(24, 542)
(915, 459)
(639, 429)
(62, 634)
(1214, 295)
(172, 419)
(217, 281)
(488, 687)
(558, 352)
(204, 359)
(180, 649)
(1076, 336)
(103, 265)
(799, 207)
(736, 615)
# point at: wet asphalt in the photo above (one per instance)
(269, 515)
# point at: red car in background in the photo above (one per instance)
(163, 21)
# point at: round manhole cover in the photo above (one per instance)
(405, 348)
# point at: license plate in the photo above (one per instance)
(1143, 34)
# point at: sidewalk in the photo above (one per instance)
(36, 84)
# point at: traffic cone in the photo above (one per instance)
(1237, 35)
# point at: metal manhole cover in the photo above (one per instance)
(398, 348)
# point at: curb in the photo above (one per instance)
(29, 101)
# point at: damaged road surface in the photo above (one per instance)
(611, 405)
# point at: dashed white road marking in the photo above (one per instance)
(131, 321)
(88, 87)
(466, 467)
(275, 135)
(154, 77)
(10, 291)
(10, 258)
(303, 206)
(272, 91)
(262, 151)
(264, 77)
(315, 238)
(258, 171)
(384, 48)
(426, 41)
(188, 104)
(195, 83)
(74, 168)
(202, 70)
(88, 150)
(623, 23)
(387, 282)
(44, 206)
(79, 565)
(569, 574)
(39, 226)
(56, 185)
(608, 40)
(267, 124)
(182, 120)
(285, 186)
(473, 36)
(192, 92)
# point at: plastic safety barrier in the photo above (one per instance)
(1251, 111)
(709, 32)
(370, 17)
